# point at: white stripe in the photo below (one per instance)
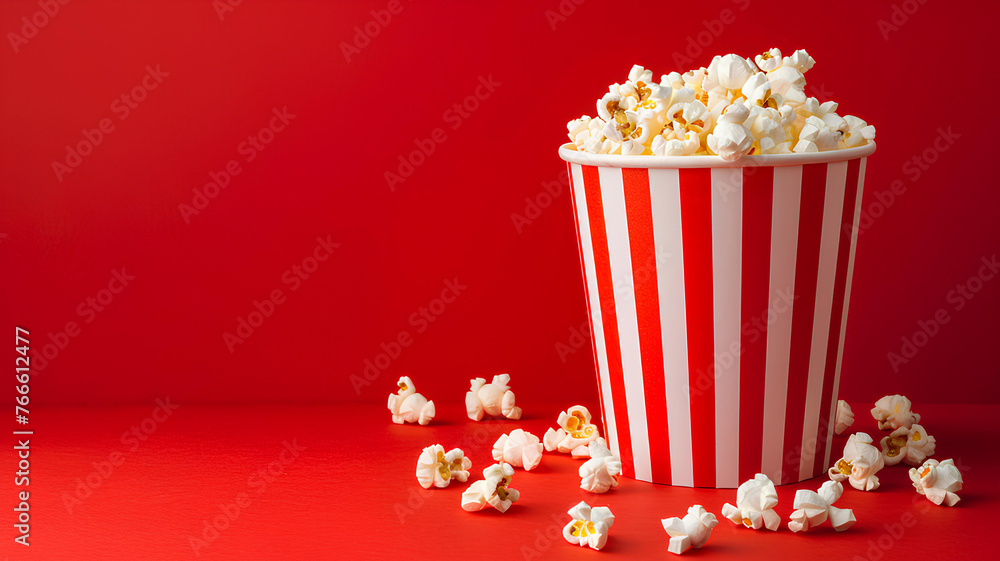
(826, 273)
(665, 199)
(619, 250)
(596, 321)
(784, 239)
(847, 295)
(727, 207)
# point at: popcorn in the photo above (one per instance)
(757, 90)
(845, 417)
(733, 71)
(629, 133)
(407, 406)
(730, 139)
(911, 445)
(642, 117)
(768, 60)
(755, 502)
(858, 132)
(691, 531)
(799, 60)
(860, 463)
(589, 526)
(893, 411)
(674, 146)
(491, 399)
(812, 509)
(437, 468)
(574, 434)
(519, 449)
(492, 491)
(938, 481)
(766, 128)
(819, 135)
(600, 473)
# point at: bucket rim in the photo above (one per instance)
(569, 153)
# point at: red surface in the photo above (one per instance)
(136, 284)
(351, 493)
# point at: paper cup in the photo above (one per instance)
(718, 296)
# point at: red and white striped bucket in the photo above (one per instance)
(718, 296)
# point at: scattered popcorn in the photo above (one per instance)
(519, 449)
(600, 472)
(684, 114)
(691, 531)
(755, 502)
(812, 509)
(583, 451)
(437, 468)
(574, 434)
(893, 411)
(860, 463)
(408, 406)
(589, 526)
(940, 482)
(845, 417)
(491, 399)
(492, 491)
(911, 445)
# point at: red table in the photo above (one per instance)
(337, 481)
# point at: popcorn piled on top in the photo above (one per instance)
(735, 107)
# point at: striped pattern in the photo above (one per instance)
(718, 302)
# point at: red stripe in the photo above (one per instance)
(804, 308)
(609, 318)
(829, 400)
(696, 231)
(639, 212)
(586, 292)
(758, 195)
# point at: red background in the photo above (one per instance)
(324, 175)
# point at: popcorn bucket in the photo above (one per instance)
(718, 296)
